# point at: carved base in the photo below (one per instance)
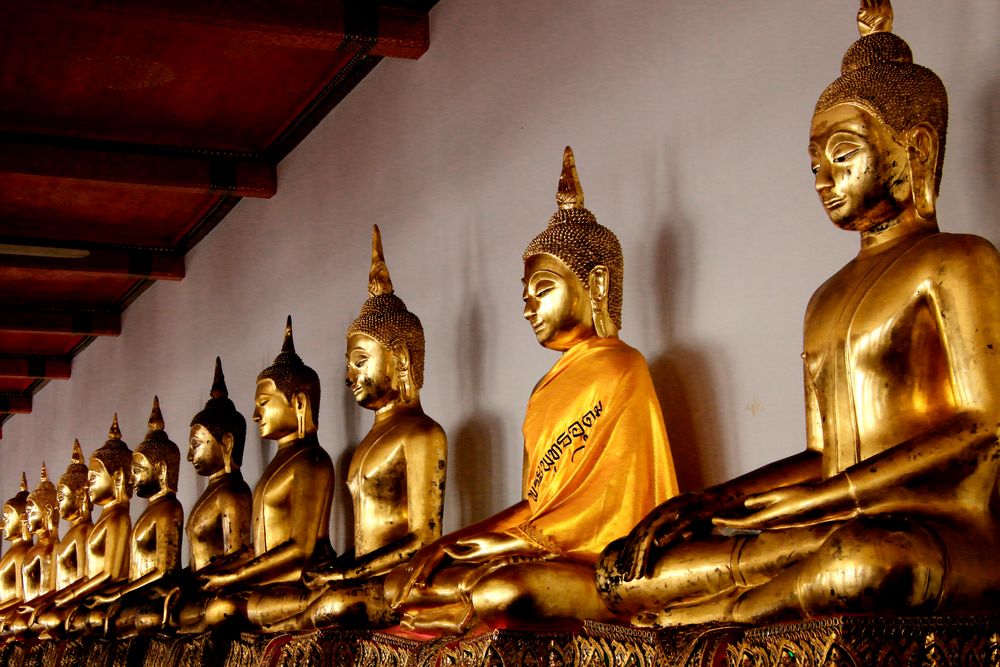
(845, 641)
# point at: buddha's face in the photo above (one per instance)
(144, 477)
(36, 517)
(556, 303)
(205, 453)
(273, 412)
(68, 505)
(371, 372)
(862, 172)
(100, 483)
(11, 523)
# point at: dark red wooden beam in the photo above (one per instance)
(88, 323)
(139, 166)
(31, 366)
(15, 404)
(103, 261)
(384, 28)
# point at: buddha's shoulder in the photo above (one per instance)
(617, 353)
(948, 248)
(420, 425)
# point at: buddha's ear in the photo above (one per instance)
(227, 443)
(119, 479)
(300, 401)
(401, 358)
(599, 287)
(922, 146)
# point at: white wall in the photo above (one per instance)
(689, 121)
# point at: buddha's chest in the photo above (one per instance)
(378, 473)
(143, 548)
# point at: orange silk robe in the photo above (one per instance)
(596, 451)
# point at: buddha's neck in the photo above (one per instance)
(886, 234)
(398, 407)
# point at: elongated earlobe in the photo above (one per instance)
(599, 287)
(922, 147)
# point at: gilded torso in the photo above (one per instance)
(219, 523)
(379, 481)
(897, 343)
(71, 554)
(11, 582)
(156, 538)
(113, 522)
(37, 569)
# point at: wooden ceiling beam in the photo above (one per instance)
(140, 166)
(77, 323)
(34, 366)
(119, 262)
(15, 404)
(379, 28)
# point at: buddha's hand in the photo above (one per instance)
(487, 546)
(96, 600)
(874, 16)
(795, 506)
(674, 521)
(216, 580)
(417, 571)
(321, 576)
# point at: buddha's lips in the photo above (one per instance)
(833, 203)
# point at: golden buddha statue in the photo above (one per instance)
(397, 473)
(596, 452)
(291, 507)
(15, 531)
(154, 543)
(69, 562)
(42, 512)
(218, 527)
(893, 505)
(109, 484)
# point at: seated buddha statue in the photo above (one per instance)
(42, 512)
(218, 527)
(596, 457)
(154, 547)
(15, 531)
(291, 507)
(397, 473)
(69, 562)
(892, 506)
(109, 484)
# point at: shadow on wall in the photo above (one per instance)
(682, 372)
(476, 444)
(342, 514)
(990, 147)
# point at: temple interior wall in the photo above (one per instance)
(689, 121)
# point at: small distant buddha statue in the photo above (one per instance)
(595, 448)
(893, 505)
(69, 562)
(15, 531)
(42, 512)
(397, 473)
(291, 506)
(109, 484)
(154, 543)
(218, 527)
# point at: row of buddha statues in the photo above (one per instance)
(889, 509)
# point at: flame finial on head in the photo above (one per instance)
(219, 389)
(24, 482)
(570, 192)
(874, 16)
(114, 433)
(288, 344)
(45, 473)
(379, 282)
(155, 416)
(77, 455)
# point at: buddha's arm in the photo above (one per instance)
(963, 300)
(426, 451)
(310, 502)
(427, 560)
(116, 538)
